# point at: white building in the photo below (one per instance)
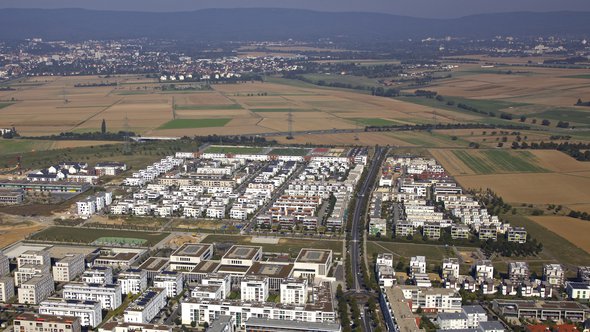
(385, 259)
(432, 299)
(68, 268)
(222, 280)
(312, 263)
(242, 255)
(451, 321)
(145, 307)
(170, 281)
(28, 271)
(554, 274)
(254, 288)
(89, 312)
(578, 290)
(34, 257)
(86, 207)
(109, 295)
(190, 255)
(294, 291)
(36, 289)
(483, 270)
(98, 275)
(6, 288)
(4, 265)
(475, 315)
(417, 265)
(133, 281)
(450, 268)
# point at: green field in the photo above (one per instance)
(87, 235)
(565, 114)
(194, 123)
(375, 121)
(208, 107)
(483, 105)
(234, 149)
(280, 110)
(2, 105)
(285, 245)
(289, 152)
(116, 240)
(587, 77)
(495, 161)
(433, 253)
(10, 146)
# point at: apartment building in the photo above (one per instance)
(109, 295)
(133, 281)
(27, 322)
(68, 268)
(89, 312)
(254, 288)
(171, 281)
(294, 291)
(146, 307)
(36, 289)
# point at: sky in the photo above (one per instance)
(417, 8)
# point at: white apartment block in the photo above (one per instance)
(34, 257)
(475, 315)
(28, 271)
(450, 268)
(432, 299)
(222, 280)
(89, 312)
(36, 289)
(518, 271)
(109, 295)
(68, 268)
(98, 275)
(417, 265)
(145, 307)
(28, 322)
(254, 288)
(171, 281)
(133, 281)
(294, 291)
(206, 292)
(6, 288)
(578, 290)
(242, 255)
(86, 207)
(385, 259)
(200, 311)
(517, 234)
(483, 270)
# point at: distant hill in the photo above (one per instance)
(275, 24)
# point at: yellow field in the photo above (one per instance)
(535, 188)
(576, 231)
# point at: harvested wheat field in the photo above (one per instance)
(576, 231)
(534, 188)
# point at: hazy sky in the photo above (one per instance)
(423, 8)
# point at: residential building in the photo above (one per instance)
(89, 312)
(68, 268)
(294, 291)
(578, 290)
(27, 322)
(98, 275)
(417, 265)
(451, 321)
(254, 288)
(133, 327)
(220, 280)
(242, 255)
(254, 324)
(432, 299)
(170, 281)
(34, 257)
(554, 274)
(133, 281)
(146, 306)
(460, 232)
(483, 270)
(475, 315)
(450, 268)
(517, 234)
(4, 265)
(36, 289)
(109, 295)
(12, 197)
(385, 259)
(541, 310)
(6, 288)
(518, 271)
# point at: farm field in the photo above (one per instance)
(574, 230)
(86, 235)
(194, 123)
(365, 138)
(461, 162)
(289, 152)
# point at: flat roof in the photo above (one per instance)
(242, 252)
(313, 256)
(192, 249)
(205, 267)
(154, 264)
(233, 268)
(293, 325)
(47, 318)
(272, 270)
(404, 318)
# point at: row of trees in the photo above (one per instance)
(579, 151)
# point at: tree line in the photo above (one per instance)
(579, 151)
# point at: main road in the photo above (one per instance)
(363, 195)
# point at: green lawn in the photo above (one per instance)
(285, 245)
(280, 110)
(483, 105)
(375, 121)
(87, 235)
(208, 107)
(2, 105)
(233, 149)
(494, 161)
(195, 123)
(587, 76)
(13, 146)
(289, 152)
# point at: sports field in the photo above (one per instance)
(87, 235)
(194, 123)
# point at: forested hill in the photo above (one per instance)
(276, 24)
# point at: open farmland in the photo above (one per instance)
(194, 123)
(575, 231)
(487, 161)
